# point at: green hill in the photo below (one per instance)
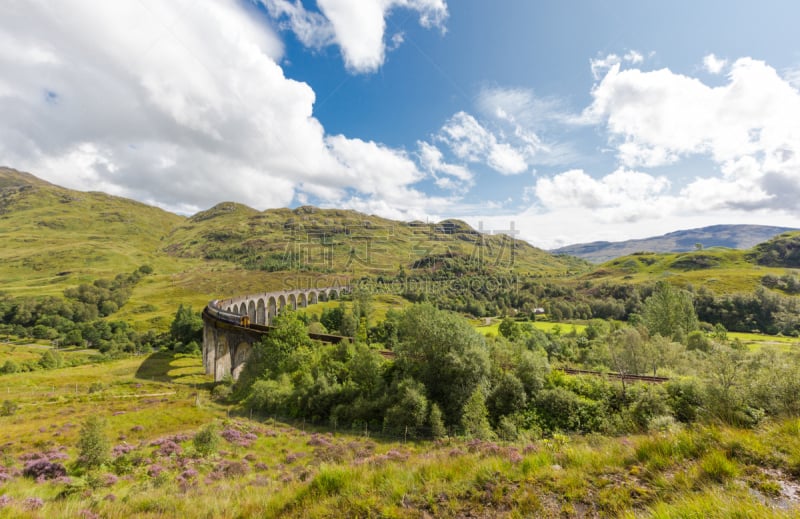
(719, 269)
(335, 241)
(54, 238)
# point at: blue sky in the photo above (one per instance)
(575, 121)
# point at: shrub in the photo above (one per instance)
(96, 387)
(206, 440)
(8, 408)
(51, 360)
(221, 392)
(42, 469)
(10, 367)
(438, 429)
(94, 447)
(330, 481)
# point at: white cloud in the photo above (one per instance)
(602, 65)
(659, 117)
(792, 76)
(470, 141)
(627, 192)
(713, 64)
(374, 169)
(432, 160)
(311, 28)
(633, 57)
(357, 26)
(182, 105)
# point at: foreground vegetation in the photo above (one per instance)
(161, 460)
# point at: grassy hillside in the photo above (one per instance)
(721, 270)
(54, 238)
(333, 241)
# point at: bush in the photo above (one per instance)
(44, 469)
(96, 387)
(221, 392)
(438, 429)
(51, 360)
(190, 348)
(8, 408)
(206, 440)
(93, 445)
(9, 367)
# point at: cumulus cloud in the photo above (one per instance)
(358, 27)
(603, 64)
(713, 64)
(311, 28)
(470, 141)
(750, 124)
(621, 195)
(451, 177)
(183, 105)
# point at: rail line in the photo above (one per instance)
(618, 376)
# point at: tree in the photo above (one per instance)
(729, 370)
(441, 350)
(509, 329)
(438, 429)
(93, 445)
(669, 312)
(51, 359)
(187, 326)
(270, 355)
(332, 318)
(475, 416)
(630, 353)
(507, 397)
(409, 410)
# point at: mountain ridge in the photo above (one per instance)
(733, 236)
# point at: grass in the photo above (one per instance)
(545, 326)
(722, 270)
(703, 471)
(381, 303)
(758, 341)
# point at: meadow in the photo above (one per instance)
(154, 406)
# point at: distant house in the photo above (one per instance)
(538, 310)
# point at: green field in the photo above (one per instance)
(290, 470)
(545, 326)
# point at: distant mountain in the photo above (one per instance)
(730, 236)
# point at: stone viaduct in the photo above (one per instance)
(232, 326)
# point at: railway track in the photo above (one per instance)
(618, 376)
(387, 354)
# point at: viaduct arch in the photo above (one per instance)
(232, 326)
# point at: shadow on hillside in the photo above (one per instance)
(166, 366)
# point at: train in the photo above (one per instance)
(229, 317)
